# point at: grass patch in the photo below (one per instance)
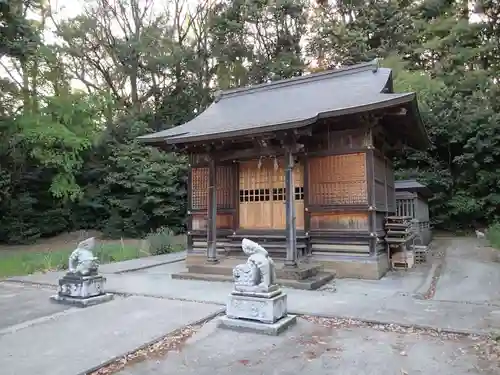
(494, 235)
(28, 262)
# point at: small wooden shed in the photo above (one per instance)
(299, 165)
(412, 200)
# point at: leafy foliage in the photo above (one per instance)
(18, 37)
(144, 189)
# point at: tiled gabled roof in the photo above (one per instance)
(288, 103)
(413, 186)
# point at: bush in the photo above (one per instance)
(494, 235)
(161, 241)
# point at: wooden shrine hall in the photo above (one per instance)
(300, 166)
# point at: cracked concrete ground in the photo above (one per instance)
(470, 275)
(318, 350)
(19, 304)
(56, 340)
(39, 337)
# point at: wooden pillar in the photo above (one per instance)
(212, 212)
(307, 216)
(372, 211)
(189, 209)
(236, 192)
(291, 235)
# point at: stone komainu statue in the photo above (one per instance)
(258, 273)
(82, 261)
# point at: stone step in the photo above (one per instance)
(279, 246)
(276, 250)
(302, 272)
(311, 283)
(266, 237)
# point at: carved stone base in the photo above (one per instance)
(81, 286)
(82, 302)
(272, 291)
(243, 325)
(265, 310)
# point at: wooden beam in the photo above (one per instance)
(248, 153)
(307, 131)
(256, 151)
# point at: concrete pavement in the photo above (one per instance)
(39, 337)
(20, 304)
(388, 300)
(74, 341)
(142, 263)
(312, 349)
(470, 275)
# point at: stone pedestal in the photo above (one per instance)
(81, 291)
(265, 310)
(257, 312)
(257, 303)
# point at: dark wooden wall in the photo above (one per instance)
(338, 194)
(348, 186)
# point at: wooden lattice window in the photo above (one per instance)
(225, 186)
(299, 193)
(199, 187)
(254, 195)
(338, 179)
(279, 194)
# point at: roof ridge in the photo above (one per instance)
(370, 65)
